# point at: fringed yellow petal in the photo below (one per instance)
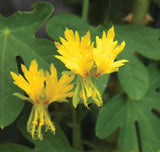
(20, 82)
(106, 52)
(33, 67)
(110, 34)
(57, 44)
(63, 40)
(53, 72)
(119, 63)
(69, 35)
(76, 53)
(85, 41)
(34, 82)
(118, 50)
(77, 39)
(58, 90)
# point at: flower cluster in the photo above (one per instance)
(82, 58)
(42, 89)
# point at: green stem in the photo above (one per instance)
(76, 132)
(85, 6)
(107, 13)
(140, 10)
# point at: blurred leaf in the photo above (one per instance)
(17, 39)
(14, 148)
(73, 2)
(157, 2)
(50, 143)
(125, 113)
(134, 78)
(100, 11)
(58, 23)
(142, 39)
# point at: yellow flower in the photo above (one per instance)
(77, 55)
(42, 90)
(35, 81)
(105, 53)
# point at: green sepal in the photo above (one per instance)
(64, 100)
(23, 97)
(68, 73)
(76, 97)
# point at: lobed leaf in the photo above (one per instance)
(58, 23)
(126, 113)
(142, 39)
(17, 39)
(134, 78)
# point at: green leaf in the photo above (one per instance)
(126, 113)
(157, 2)
(57, 25)
(102, 82)
(142, 39)
(134, 78)
(50, 143)
(14, 148)
(17, 39)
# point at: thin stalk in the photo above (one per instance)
(76, 131)
(140, 10)
(108, 9)
(85, 6)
